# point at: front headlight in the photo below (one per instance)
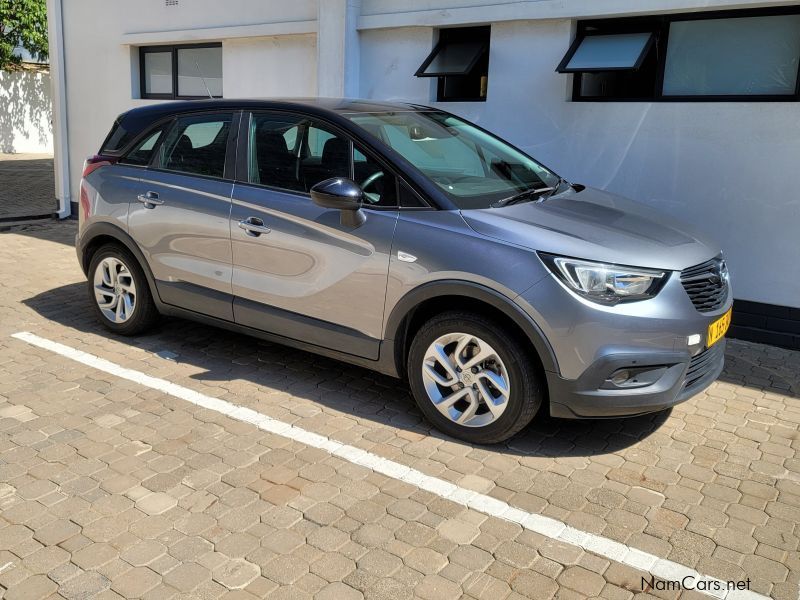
(605, 283)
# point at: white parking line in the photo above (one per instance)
(546, 526)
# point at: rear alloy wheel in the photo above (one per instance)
(472, 379)
(114, 290)
(119, 292)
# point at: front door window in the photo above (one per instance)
(295, 153)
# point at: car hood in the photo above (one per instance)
(596, 225)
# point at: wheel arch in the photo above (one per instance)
(98, 235)
(418, 305)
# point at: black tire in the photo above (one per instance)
(145, 313)
(526, 379)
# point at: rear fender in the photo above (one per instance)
(98, 234)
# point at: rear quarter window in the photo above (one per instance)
(116, 139)
(142, 152)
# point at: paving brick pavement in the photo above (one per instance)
(109, 488)
(27, 185)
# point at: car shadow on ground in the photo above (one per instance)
(224, 356)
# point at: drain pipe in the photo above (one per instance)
(58, 86)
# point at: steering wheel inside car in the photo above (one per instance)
(369, 181)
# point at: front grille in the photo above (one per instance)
(706, 284)
(702, 364)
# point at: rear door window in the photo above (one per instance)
(196, 145)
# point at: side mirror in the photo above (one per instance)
(342, 194)
(338, 192)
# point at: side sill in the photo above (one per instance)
(384, 364)
(196, 299)
(300, 327)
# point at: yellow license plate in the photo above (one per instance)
(717, 329)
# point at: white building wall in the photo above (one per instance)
(187, 15)
(389, 59)
(26, 112)
(724, 167)
(272, 66)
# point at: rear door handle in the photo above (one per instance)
(254, 226)
(149, 199)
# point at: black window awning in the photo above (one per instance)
(452, 57)
(607, 52)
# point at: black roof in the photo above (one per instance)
(335, 105)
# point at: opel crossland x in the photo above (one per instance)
(407, 240)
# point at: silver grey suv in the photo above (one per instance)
(406, 240)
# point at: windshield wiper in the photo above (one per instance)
(529, 194)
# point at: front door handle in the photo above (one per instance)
(253, 226)
(149, 199)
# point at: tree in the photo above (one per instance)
(23, 24)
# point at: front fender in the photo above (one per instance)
(397, 320)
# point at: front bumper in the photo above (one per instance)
(668, 379)
(662, 342)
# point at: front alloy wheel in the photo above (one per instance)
(474, 378)
(466, 379)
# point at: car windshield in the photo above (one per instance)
(474, 168)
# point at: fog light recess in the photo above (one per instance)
(634, 377)
(620, 377)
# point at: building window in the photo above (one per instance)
(618, 62)
(610, 52)
(744, 56)
(460, 62)
(190, 71)
(730, 55)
